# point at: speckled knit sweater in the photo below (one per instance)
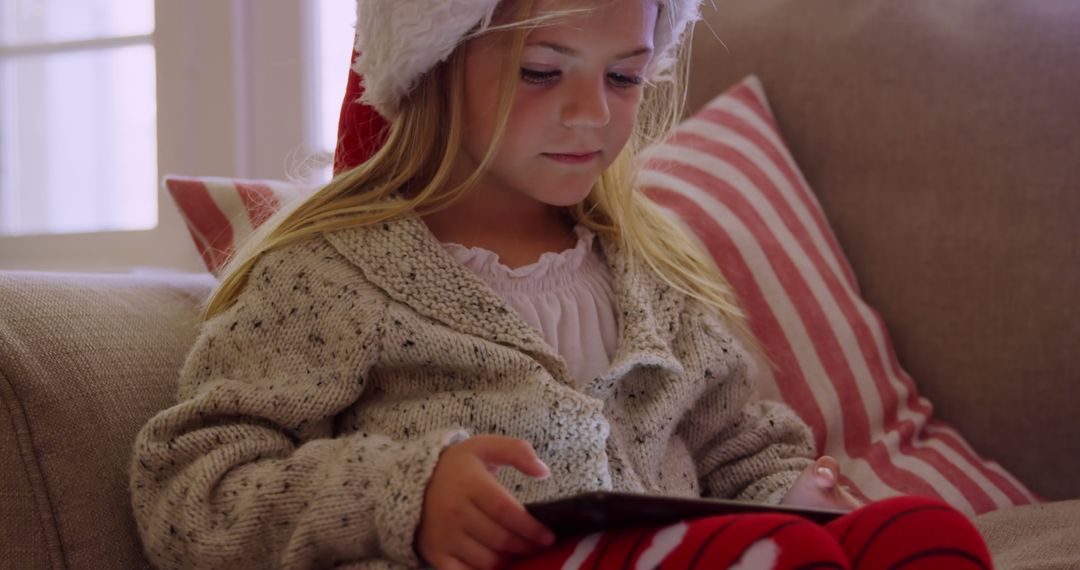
(311, 414)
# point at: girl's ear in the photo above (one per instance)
(361, 129)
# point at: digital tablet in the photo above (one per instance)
(591, 512)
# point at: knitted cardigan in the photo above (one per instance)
(312, 412)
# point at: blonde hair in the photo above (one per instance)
(408, 174)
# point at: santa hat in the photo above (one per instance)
(397, 41)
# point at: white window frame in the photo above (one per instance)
(235, 82)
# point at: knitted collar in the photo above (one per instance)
(404, 259)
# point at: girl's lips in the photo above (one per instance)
(574, 158)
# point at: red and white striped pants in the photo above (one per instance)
(899, 533)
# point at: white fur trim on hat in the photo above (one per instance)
(400, 40)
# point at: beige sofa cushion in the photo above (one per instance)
(941, 141)
(1036, 537)
(84, 362)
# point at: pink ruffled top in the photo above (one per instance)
(566, 296)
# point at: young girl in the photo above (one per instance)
(488, 291)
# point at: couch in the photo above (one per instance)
(941, 139)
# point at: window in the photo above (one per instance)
(334, 30)
(241, 88)
(77, 116)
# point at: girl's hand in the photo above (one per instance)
(469, 520)
(817, 487)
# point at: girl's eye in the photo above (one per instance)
(626, 80)
(540, 77)
(532, 76)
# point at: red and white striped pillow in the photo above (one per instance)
(221, 212)
(726, 172)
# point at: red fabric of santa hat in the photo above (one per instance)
(361, 129)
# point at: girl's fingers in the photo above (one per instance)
(504, 510)
(455, 564)
(497, 451)
(495, 536)
(826, 472)
(827, 477)
(474, 554)
(448, 562)
(849, 500)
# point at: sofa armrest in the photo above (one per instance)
(85, 360)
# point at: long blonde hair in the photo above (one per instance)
(409, 173)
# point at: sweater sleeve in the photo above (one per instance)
(245, 471)
(744, 448)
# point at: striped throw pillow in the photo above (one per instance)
(727, 174)
(221, 212)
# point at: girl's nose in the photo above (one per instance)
(586, 105)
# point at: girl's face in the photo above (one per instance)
(580, 86)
